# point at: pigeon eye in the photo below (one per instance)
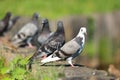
(81, 29)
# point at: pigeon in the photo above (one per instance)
(44, 34)
(69, 50)
(4, 23)
(12, 22)
(26, 33)
(54, 42)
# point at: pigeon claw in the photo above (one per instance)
(72, 65)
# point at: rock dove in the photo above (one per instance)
(69, 50)
(44, 34)
(54, 42)
(26, 33)
(4, 23)
(12, 22)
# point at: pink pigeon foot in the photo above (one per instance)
(30, 45)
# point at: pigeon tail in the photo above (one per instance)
(50, 59)
(31, 59)
(35, 17)
(30, 64)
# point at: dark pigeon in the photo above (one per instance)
(4, 23)
(54, 42)
(12, 22)
(69, 50)
(26, 33)
(43, 34)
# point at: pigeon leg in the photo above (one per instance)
(29, 43)
(69, 60)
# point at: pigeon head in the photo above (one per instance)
(45, 26)
(35, 16)
(60, 28)
(7, 17)
(8, 14)
(60, 24)
(83, 30)
(44, 21)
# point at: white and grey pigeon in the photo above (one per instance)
(26, 33)
(45, 33)
(69, 50)
(4, 23)
(54, 42)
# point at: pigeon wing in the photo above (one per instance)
(55, 43)
(71, 47)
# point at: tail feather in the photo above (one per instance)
(30, 63)
(50, 59)
(31, 59)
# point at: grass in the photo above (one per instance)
(17, 70)
(57, 8)
(48, 72)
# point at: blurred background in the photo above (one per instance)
(101, 17)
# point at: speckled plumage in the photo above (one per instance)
(69, 50)
(54, 42)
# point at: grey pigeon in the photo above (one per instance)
(54, 42)
(4, 23)
(26, 33)
(42, 36)
(69, 50)
(12, 22)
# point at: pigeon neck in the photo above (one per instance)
(82, 36)
(6, 18)
(46, 27)
(35, 21)
(60, 30)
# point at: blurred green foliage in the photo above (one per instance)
(16, 69)
(48, 73)
(105, 50)
(54, 9)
